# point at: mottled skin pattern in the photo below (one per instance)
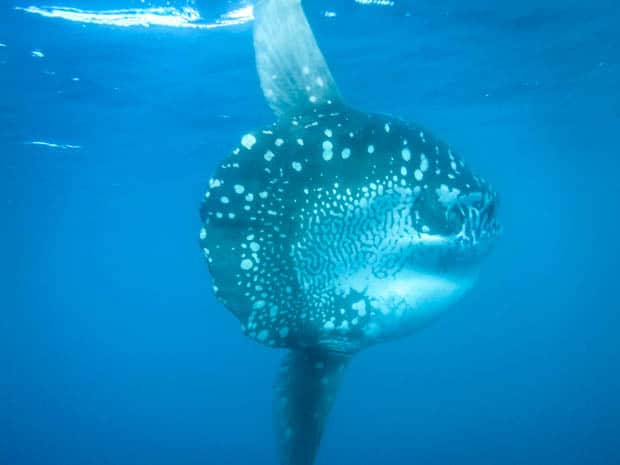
(328, 229)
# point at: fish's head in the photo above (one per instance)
(455, 221)
(401, 240)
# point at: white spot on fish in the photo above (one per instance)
(263, 335)
(327, 145)
(246, 264)
(447, 196)
(203, 234)
(371, 149)
(239, 189)
(386, 127)
(258, 304)
(346, 153)
(418, 175)
(300, 141)
(423, 163)
(224, 199)
(248, 141)
(328, 132)
(254, 247)
(406, 154)
(403, 170)
(269, 155)
(328, 155)
(296, 166)
(360, 306)
(279, 142)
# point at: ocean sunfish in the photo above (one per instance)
(334, 229)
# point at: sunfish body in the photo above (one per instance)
(334, 229)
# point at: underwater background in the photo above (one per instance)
(113, 349)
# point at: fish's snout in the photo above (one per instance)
(475, 216)
(468, 217)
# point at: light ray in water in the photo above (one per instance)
(186, 17)
(53, 145)
(375, 2)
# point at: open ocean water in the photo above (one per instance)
(113, 349)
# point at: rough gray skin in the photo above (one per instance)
(334, 229)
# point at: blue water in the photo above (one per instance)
(113, 349)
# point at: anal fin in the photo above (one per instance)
(305, 392)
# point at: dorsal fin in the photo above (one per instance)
(291, 67)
